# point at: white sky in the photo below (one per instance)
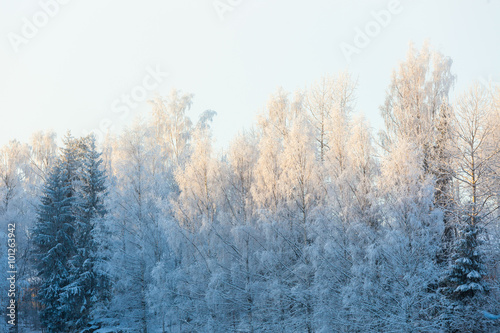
(91, 52)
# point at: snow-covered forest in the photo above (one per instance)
(310, 221)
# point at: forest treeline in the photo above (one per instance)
(308, 222)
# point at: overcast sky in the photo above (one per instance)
(73, 70)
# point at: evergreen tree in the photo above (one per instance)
(88, 284)
(54, 247)
(467, 270)
(64, 236)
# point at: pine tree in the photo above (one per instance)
(54, 247)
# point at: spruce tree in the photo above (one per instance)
(89, 285)
(467, 270)
(54, 247)
(73, 200)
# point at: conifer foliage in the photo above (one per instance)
(303, 225)
(65, 246)
(55, 246)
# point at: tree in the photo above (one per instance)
(392, 289)
(417, 109)
(171, 125)
(274, 129)
(206, 246)
(198, 192)
(54, 247)
(71, 204)
(476, 154)
(240, 205)
(414, 98)
(43, 156)
(326, 101)
(416, 105)
(132, 249)
(13, 166)
(88, 284)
